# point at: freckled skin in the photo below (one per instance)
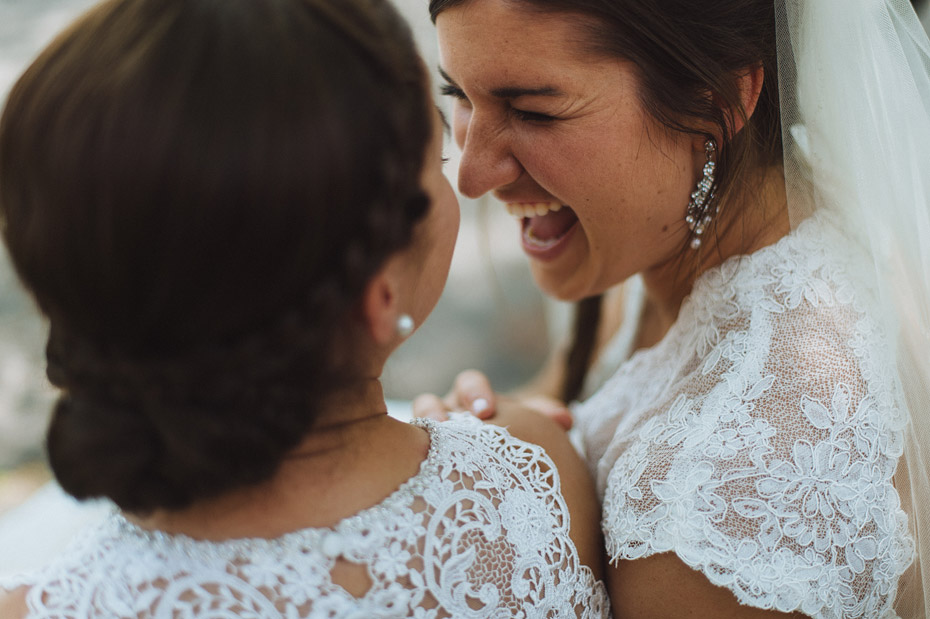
(625, 176)
(592, 147)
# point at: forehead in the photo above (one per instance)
(512, 39)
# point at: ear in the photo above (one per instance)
(749, 84)
(381, 305)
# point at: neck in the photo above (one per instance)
(744, 225)
(350, 422)
(360, 401)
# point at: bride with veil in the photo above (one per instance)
(866, 65)
(766, 428)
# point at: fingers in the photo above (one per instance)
(430, 406)
(550, 407)
(472, 392)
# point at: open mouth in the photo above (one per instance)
(546, 227)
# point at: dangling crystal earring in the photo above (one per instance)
(698, 217)
(405, 325)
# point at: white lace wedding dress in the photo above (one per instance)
(480, 531)
(759, 438)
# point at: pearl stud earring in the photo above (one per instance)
(405, 325)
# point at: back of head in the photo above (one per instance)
(196, 193)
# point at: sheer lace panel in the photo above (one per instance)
(758, 440)
(481, 531)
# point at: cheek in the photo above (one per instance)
(446, 225)
(574, 164)
(453, 219)
(643, 184)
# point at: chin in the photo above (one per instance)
(570, 278)
(567, 291)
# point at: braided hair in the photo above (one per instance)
(196, 193)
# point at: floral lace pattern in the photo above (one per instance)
(480, 531)
(759, 438)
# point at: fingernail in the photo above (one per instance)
(479, 406)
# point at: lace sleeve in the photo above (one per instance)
(769, 467)
(10, 583)
(524, 481)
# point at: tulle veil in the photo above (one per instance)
(855, 96)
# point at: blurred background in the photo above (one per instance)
(490, 316)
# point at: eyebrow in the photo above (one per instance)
(513, 92)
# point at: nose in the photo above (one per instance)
(487, 158)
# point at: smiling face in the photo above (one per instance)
(559, 135)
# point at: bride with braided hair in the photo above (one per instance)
(747, 182)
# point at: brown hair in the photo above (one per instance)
(196, 193)
(689, 56)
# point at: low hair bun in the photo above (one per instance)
(98, 451)
(168, 461)
(166, 433)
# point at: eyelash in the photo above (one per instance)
(448, 90)
(455, 92)
(532, 117)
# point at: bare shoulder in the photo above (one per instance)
(576, 484)
(13, 603)
(664, 586)
(529, 425)
(533, 427)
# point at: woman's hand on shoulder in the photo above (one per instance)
(472, 392)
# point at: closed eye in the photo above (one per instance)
(455, 92)
(532, 116)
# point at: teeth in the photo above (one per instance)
(521, 210)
